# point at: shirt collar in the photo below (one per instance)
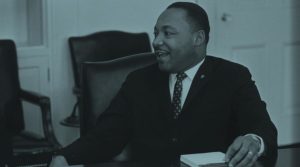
(190, 72)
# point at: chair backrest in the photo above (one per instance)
(101, 82)
(10, 87)
(105, 45)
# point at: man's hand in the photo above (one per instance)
(243, 152)
(58, 161)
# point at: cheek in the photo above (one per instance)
(181, 49)
(176, 47)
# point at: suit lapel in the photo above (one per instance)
(163, 94)
(201, 78)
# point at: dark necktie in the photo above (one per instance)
(177, 94)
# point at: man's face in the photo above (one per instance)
(174, 41)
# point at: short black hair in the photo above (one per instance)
(196, 14)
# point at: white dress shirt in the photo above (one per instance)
(186, 84)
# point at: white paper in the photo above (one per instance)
(196, 160)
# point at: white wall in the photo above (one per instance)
(13, 23)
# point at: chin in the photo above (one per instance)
(164, 68)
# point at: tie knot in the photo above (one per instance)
(181, 76)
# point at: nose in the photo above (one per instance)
(157, 41)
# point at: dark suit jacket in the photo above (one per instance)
(223, 103)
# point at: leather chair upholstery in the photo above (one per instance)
(103, 46)
(101, 82)
(26, 145)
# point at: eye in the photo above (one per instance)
(169, 33)
(155, 33)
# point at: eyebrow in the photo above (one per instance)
(164, 27)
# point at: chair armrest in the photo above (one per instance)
(34, 97)
(30, 135)
(44, 103)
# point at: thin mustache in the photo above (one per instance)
(158, 49)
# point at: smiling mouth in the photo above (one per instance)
(161, 53)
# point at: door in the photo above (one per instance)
(260, 34)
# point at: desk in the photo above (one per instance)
(131, 164)
(289, 157)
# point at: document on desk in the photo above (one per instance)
(211, 159)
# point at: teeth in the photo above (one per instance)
(161, 53)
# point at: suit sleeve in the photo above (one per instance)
(108, 138)
(251, 114)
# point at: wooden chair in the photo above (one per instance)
(27, 146)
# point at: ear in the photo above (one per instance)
(199, 37)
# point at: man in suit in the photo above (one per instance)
(186, 103)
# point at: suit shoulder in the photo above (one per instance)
(226, 65)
